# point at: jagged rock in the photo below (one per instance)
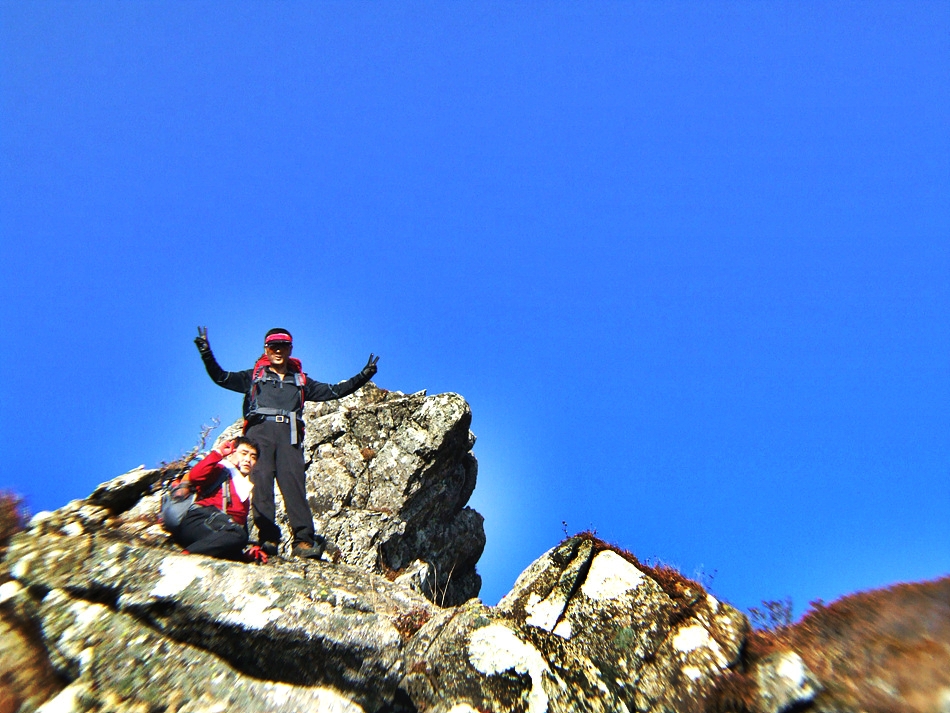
(117, 663)
(389, 625)
(584, 629)
(265, 621)
(24, 666)
(120, 494)
(388, 479)
(474, 659)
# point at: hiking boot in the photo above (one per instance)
(269, 548)
(309, 550)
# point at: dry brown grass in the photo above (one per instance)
(13, 516)
(734, 692)
(387, 571)
(409, 623)
(684, 591)
(861, 646)
(898, 636)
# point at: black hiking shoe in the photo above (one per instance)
(269, 548)
(310, 551)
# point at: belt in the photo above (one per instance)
(276, 419)
(279, 416)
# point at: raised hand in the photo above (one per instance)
(370, 367)
(226, 448)
(201, 341)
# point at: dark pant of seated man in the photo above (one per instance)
(208, 531)
(215, 523)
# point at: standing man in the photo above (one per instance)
(274, 394)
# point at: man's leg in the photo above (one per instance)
(265, 435)
(291, 473)
(208, 531)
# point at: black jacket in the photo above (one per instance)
(279, 394)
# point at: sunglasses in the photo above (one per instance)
(278, 345)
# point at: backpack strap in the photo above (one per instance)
(223, 482)
(226, 493)
(259, 375)
(300, 379)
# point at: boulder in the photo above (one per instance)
(389, 477)
(586, 628)
(115, 662)
(784, 682)
(267, 622)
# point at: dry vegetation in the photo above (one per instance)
(13, 517)
(409, 623)
(897, 639)
(684, 592)
(883, 651)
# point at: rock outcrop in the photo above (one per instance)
(389, 479)
(99, 611)
(585, 628)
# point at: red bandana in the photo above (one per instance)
(279, 337)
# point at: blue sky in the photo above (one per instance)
(688, 262)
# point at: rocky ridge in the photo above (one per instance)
(100, 612)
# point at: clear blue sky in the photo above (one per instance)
(688, 262)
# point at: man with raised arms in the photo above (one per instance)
(275, 391)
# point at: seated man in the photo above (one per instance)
(216, 525)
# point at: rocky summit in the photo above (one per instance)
(100, 611)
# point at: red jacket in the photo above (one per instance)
(205, 474)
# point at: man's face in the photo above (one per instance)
(243, 458)
(278, 352)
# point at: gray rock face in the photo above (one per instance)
(388, 480)
(389, 477)
(118, 663)
(266, 622)
(584, 629)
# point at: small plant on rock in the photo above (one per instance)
(773, 615)
(174, 469)
(409, 623)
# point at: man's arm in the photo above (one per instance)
(205, 470)
(318, 391)
(239, 381)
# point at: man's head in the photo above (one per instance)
(244, 455)
(278, 346)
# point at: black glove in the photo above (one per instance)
(201, 341)
(370, 367)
